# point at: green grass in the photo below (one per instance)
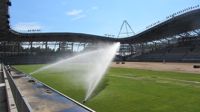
(132, 90)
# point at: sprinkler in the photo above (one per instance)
(84, 101)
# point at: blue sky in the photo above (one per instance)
(91, 16)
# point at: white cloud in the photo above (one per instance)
(75, 12)
(95, 8)
(79, 17)
(25, 26)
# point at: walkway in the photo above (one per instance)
(42, 98)
(3, 101)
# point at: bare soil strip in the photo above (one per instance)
(158, 66)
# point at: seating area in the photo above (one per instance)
(193, 55)
(183, 51)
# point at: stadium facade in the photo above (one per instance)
(174, 39)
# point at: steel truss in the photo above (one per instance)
(127, 50)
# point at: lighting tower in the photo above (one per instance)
(125, 30)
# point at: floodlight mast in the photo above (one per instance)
(128, 30)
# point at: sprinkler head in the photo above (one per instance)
(84, 101)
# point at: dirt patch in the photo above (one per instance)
(158, 66)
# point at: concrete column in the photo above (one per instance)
(31, 43)
(46, 45)
(72, 47)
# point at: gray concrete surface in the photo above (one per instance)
(3, 101)
(42, 99)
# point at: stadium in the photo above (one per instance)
(155, 70)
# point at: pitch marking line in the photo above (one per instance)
(167, 79)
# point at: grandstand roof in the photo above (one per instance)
(183, 23)
(72, 37)
(175, 25)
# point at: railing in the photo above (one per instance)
(21, 102)
(189, 9)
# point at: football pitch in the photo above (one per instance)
(130, 90)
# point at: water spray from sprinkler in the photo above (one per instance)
(80, 66)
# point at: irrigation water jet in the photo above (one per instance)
(88, 68)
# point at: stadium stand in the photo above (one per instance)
(186, 50)
(20, 48)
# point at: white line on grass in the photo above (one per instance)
(169, 80)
